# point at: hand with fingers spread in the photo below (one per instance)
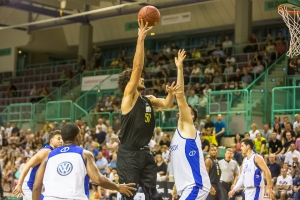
(126, 189)
(18, 192)
(143, 30)
(173, 89)
(180, 58)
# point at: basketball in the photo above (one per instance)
(149, 14)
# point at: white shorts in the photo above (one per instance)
(27, 192)
(190, 194)
(254, 193)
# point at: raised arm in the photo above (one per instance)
(138, 60)
(35, 160)
(102, 181)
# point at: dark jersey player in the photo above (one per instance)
(135, 162)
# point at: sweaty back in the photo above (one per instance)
(137, 126)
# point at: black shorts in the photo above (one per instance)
(136, 166)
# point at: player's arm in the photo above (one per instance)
(35, 160)
(262, 165)
(168, 102)
(208, 164)
(102, 181)
(38, 181)
(138, 61)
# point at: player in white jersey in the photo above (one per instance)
(66, 172)
(27, 176)
(186, 157)
(252, 175)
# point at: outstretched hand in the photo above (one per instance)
(173, 89)
(143, 30)
(180, 58)
(18, 192)
(126, 189)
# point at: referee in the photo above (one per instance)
(229, 175)
(135, 162)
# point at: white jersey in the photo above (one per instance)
(253, 175)
(65, 174)
(188, 165)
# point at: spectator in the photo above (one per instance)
(292, 152)
(204, 144)
(277, 130)
(100, 135)
(227, 45)
(196, 73)
(253, 131)
(101, 163)
(260, 144)
(23, 139)
(193, 99)
(113, 162)
(267, 58)
(174, 48)
(253, 47)
(238, 143)
(218, 51)
(196, 54)
(229, 69)
(63, 122)
(270, 38)
(202, 105)
(270, 47)
(81, 64)
(210, 47)
(296, 125)
(275, 146)
(28, 152)
(236, 155)
(112, 145)
(219, 60)
(237, 77)
(209, 69)
(47, 126)
(11, 90)
(88, 144)
(246, 79)
(258, 69)
(230, 59)
(164, 141)
(284, 186)
(114, 63)
(8, 130)
(280, 36)
(165, 153)
(161, 168)
(280, 47)
(158, 134)
(289, 129)
(266, 133)
(100, 123)
(46, 135)
(256, 57)
(274, 168)
(166, 50)
(236, 94)
(220, 128)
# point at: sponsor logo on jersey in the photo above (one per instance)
(65, 149)
(192, 153)
(64, 168)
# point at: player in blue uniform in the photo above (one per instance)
(66, 172)
(27, 176)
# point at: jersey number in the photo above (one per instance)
(147, 117)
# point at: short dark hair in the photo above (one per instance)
(54, 133)
(124, 79)
(69, 132)
(195, 112)
(248, 142)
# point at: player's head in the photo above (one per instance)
(55, 139)
(124, 79)
(247, 144)
(193, 111)
(213, 151)
(69, 132)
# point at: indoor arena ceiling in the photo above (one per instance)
(24, 11)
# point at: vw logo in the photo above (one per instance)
(192, 153)
(65, 149)
(64, 168)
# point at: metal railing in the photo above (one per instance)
(62, 62)
(59, 110)
(80, 113)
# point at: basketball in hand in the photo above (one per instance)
(149, 14)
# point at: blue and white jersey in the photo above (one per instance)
(65, 174)
(253, 175)
(30, 177)
(188, 165)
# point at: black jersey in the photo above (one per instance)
(137, 126)
(214, 172)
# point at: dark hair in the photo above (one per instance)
(235, 140)
(124, 79)
(54, 133)
(248, 142)
(69, 132)
(195, 112)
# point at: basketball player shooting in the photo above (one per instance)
(27, 176)
(135, 162)
(186, 157)
(252, 175)
(66, 172)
